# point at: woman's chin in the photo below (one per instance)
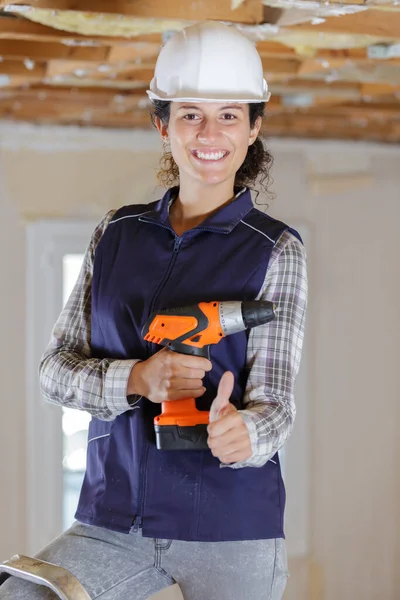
(213, 178)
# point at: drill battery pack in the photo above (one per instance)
(176, 437)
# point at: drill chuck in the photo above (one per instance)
(258, 312)
(237, 316)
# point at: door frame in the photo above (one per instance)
(47, 242)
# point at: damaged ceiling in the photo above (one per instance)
(333, 68)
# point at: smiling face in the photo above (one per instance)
(209, 141)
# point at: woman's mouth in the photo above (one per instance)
(213, 156)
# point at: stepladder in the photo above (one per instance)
(64, 585)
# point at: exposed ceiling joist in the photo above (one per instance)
(377, 23)
(333, 77)
(249, 11)
(20, 29)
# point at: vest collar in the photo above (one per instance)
(221, 221)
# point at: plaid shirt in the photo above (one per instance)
(71, 378)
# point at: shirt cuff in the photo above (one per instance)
(256, 459)
(115, 386)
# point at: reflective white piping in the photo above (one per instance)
(264, 234)
(131, 216)
(98, 437)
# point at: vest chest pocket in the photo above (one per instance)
(99, 430)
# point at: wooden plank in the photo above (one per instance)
(249, 11)
(283, 66)
(121, 85)
(86, 91)
(284, 125)
(67, 67)
(22, 29)
(379, 23)
(304, 86)
(268, 48)
(378, 89)
(14, 67)
(138, 51)
(18, 49)
(312, 66)
(77, 116)
(132, 74)
(64, 100)
(306, 124)
(98, 71)
(326, 57)
(370, 110)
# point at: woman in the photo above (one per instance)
(210, 520)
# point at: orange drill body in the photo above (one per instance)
(166, 328)
(185, 327)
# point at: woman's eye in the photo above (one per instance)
(191, 117)
(228, 117)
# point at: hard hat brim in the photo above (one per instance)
(264, 98)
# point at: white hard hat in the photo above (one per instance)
(209, 62)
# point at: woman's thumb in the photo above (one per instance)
(222, 399)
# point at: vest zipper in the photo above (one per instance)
(143, 467)
(177, 244)
(137, 524)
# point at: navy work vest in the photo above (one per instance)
(142, 265)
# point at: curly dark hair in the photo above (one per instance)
(255, 168)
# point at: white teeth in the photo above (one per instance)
(211, 155)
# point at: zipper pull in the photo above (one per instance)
(137, 523)
(178, 241)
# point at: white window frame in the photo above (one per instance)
(47, 243)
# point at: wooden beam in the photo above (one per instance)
(14, 67)
(310, 86)
(70, 81)
(299, 124)
(324, 58)
(99, 71)
(378, 89)
(249, 11)
(64, 99)
(379, 23)
(283, 66)
(88, 91)
(138, 51)
(144, 74)
(67, 67)
(18, 49)
(310, 125)
(22, 29)
(371, 110)
(75, 115)
(144, 71)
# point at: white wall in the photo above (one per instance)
(348, 195)
(12, 370)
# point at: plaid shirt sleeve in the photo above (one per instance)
(68, 374)
(274, 353)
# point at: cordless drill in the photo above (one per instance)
(192, 330)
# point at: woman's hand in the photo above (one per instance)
(228, 436)
(169, 376)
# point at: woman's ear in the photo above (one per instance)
(255, 131)
(162, 129)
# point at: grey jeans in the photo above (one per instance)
(117, 566)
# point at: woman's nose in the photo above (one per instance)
(209, 131)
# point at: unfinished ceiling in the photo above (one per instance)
(333, 68)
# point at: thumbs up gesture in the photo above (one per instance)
(228, 436)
